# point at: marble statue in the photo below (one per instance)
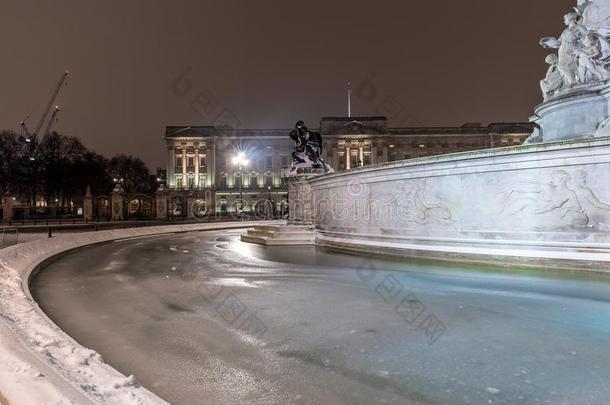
(583, 50)
(592, 60)
(553, 80)
(596, 13)
(307, 152)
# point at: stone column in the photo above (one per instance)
(171, 166)
(7, 207)
(161, 204)
(190, 201)
(211, 163)
(210, 198)
(197, 164)
(184, 180)
(348, 158)
(88, 205)
(117, 206)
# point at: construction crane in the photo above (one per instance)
(31, 136)
(47, 130)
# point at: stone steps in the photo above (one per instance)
(280, 235)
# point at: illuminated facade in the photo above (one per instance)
(201, 159)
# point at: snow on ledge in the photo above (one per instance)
(41, 364)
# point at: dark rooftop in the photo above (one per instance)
(375, 125)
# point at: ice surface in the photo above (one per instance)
(39, 363)
(204, 318)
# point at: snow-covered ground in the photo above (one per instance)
(39, 363)
(203, 318)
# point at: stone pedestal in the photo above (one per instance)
(576, 86)
(88, 205)
(300, 229)
(118, 211)
(300, 206)
(7, 207)
(575, 114)
(161, 205)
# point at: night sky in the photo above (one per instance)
(267, 63)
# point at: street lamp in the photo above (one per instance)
(240, 161)
(272, 208)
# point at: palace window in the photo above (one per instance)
(202, 161)
(341, 162)
(354, 161)
(179, 181)
(367, 158)
(268, 162)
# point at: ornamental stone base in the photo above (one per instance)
(576, 114)
(299, 229)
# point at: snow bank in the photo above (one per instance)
(39, 363)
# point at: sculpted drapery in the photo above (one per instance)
(583, 49)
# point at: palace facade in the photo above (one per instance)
(201, 160)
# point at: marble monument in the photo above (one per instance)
(576, 88)
(307, 163)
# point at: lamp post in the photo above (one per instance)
(270, 202)
(240, 161)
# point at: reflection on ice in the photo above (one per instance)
(240, 323)
(239, 282)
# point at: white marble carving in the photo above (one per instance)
(418, 204)
(540, 197)
(576, 88)
(583, 50)
(553, 80)
(596, 14)
(561, 200)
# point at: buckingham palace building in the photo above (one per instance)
(228, 169)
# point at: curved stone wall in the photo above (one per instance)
(542, 205)
(39, 363)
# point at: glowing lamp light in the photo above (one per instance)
(240, 159)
